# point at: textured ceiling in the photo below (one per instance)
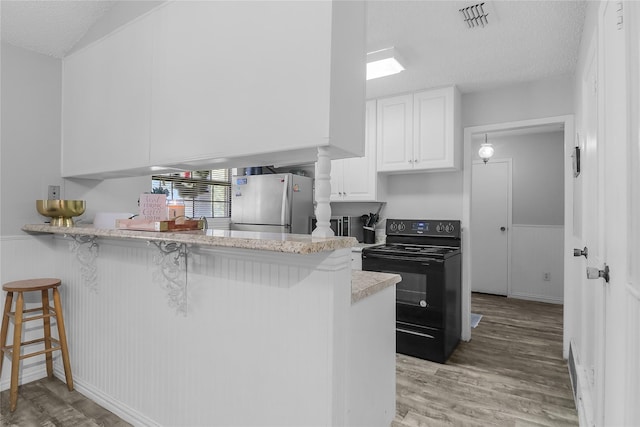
(524, 40)
(49, 27)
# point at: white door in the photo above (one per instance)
(632, 389)
(589, 345)
(490, 222)
(613, 119)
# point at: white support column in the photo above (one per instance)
(323, 193)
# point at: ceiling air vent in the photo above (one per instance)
(475, 16)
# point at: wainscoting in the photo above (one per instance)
(536, 250)
(264, 340)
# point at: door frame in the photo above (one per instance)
(569, 135)
(509, 225)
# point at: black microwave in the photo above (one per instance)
(343, 226)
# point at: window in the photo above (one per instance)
(204, 193)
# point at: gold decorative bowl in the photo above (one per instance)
(61, 211)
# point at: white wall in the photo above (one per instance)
(531, 100)
(538, 175)
(111, 195)
(425, 195)
(30, 156)
(30, 151)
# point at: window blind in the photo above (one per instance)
(204, 193)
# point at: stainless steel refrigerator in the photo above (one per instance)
(277, 203)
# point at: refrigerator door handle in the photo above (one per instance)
(285, 201)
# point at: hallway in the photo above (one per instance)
(511, 373)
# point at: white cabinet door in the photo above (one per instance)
(106, 103)
(356, 259)
(356, 179)
(231, 80)
(360, 173)
(395, 133)
(433, 129)
(337, 175)
(418, 132)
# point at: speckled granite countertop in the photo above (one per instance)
(276, 242)
(366, 283)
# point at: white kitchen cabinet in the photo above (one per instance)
(106, 109)
(420, 131)
(217, 84)
(255, 80)
(356, 258)
(356, 179)
(395, 133)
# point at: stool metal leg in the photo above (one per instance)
(15, 352)
(47, 331)
(63, 338)
(5, 326)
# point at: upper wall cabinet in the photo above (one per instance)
(356, 179)
(105, 103)
(420, 132)
(219, 84)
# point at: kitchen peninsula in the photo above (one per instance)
(225, 327)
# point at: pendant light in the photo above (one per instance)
(486, 150)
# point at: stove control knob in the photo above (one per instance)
(449, 228)
(440, 228)
(393, 226)
(401, 226)
(423, 303)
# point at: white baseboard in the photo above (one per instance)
(539, 298)
(128, 414)
(24, 378)
(583, 394)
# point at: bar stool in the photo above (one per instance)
(20, 287)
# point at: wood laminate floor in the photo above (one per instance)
(48, 403)
(510, 374)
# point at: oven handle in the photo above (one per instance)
(415, 333)
(424, 261)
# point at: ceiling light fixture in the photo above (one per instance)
(475, 16)
(486, 150)
(383, 62)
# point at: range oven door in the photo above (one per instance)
(420, 294)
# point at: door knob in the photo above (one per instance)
(503, 229)
(594, 273)
(581, 252)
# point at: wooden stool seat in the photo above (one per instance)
(33, 285)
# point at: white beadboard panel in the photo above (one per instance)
(263, 341)
(26, 257)
(537, 249)
(632, 378)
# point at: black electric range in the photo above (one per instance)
(426, 253)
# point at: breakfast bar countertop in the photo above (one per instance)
(367, 283)
(276, 242)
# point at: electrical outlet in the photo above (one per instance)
(54, 192)
(547, 277)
